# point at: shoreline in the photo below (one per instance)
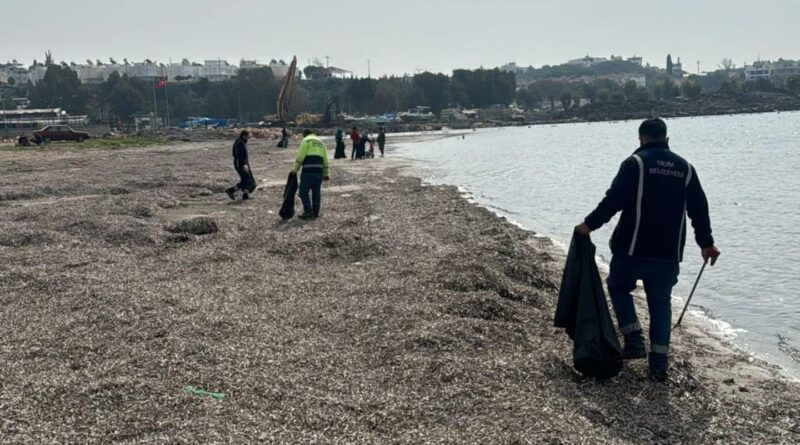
(404, 314)
(704, 325)
(717, 328)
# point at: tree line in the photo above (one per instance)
(252, 94)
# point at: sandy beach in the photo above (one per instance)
(405, 314)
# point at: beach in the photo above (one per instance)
(405, 314)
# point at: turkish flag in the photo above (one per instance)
(161, 84)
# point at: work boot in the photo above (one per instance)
(634, 347)
(231, 193)
(659, 363)
(245, 196)
(306, 215)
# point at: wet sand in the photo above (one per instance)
(404, 314)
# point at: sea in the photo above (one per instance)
(547, 178)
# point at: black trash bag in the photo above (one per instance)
(247, 182)
(289, 194)
(583, 311)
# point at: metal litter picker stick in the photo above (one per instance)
(680, 319)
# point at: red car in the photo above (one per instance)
(61, 133)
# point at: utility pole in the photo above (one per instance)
(369, 70)
(698, 67)
(327, 61)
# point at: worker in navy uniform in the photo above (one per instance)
(655, 189)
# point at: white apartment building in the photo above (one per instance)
(777, 71)
(217, 70)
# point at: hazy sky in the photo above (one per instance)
(402, 36)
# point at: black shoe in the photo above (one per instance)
(231, 193)
(306, 216)
(658, 376)
(245, 196)
(634, 350)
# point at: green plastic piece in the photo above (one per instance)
(203, 393)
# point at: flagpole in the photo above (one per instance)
(154, 124)
(166, 94)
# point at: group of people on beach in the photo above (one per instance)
(311, 159)
(655, 189)
(360, 142)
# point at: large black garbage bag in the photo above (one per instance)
(247, 182)
(289, 194)
(583, 311)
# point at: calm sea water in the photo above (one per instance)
(547, 178)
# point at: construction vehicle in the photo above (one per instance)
(285, 95)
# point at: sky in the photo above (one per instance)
(402, 36)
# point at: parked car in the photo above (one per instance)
(61, 133)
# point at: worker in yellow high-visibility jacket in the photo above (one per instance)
(312, 158)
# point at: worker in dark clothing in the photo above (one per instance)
(313, 159)
(340, 145)
(284, 142)
(356, 138)
(655, 189)
(241, 163)
(381, 140)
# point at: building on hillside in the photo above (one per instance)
(510, 67)
(250, 65)
(280, 69)
(184, 71)
(777, 72)
(636, 60)
(20, 74)
(147, 71)
(331, 73)
(587, 61)
(217, 70)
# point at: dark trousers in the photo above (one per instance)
(311, 182)
(381, 145)
(658, 277)
(353, 153)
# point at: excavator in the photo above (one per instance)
(285, 95)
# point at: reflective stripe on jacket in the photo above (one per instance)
(655, 189)
(313, 154)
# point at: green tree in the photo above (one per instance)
(529, 97)
(793, 84)
(61, 88)
(436, 88)
(8, 102)
(125, 100)
(630, 89)
(550, 90)
(691, 88)
(589, 91)
(566, 100)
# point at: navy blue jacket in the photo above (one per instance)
(655, 189)
(240, 158)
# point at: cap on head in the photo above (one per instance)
(653, 129)
(307, 132)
